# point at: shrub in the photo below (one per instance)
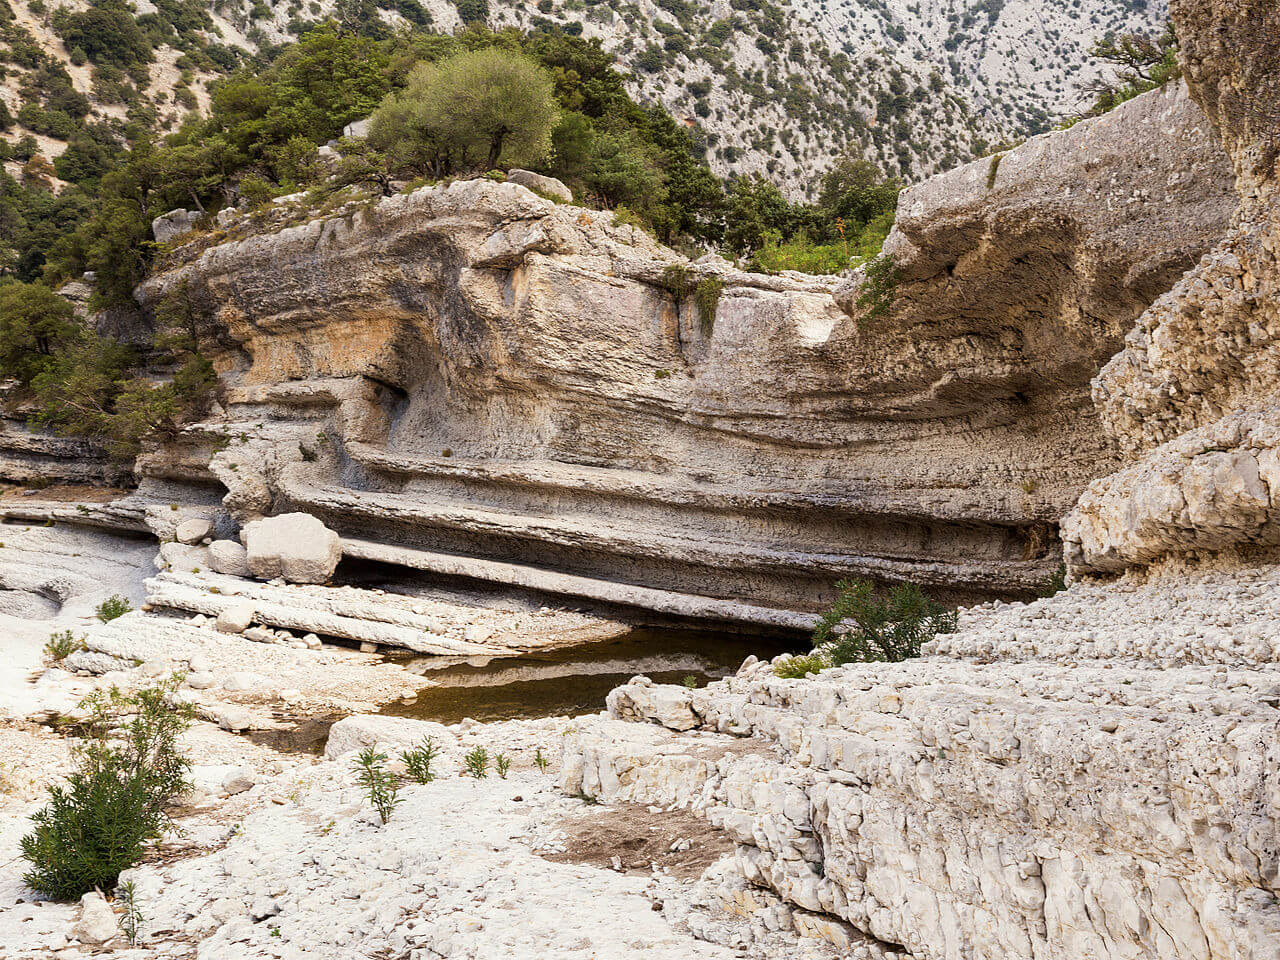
(379, 783)
(128, 773)
(800, 666)
(503, 764)
(62, 645)
(477, 762)
(878, 289)
(707, 297)
(862, 627)
(112, 607)
(418, 760)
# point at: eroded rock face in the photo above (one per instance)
(1191, 398)
(475, 371)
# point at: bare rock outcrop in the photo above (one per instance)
(472, 371)
(1192, 397)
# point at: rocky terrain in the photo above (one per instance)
(502, 396)
(915, 87)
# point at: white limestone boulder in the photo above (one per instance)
(548, 186)
(229, 558)
(295, 547)
(97, 922)
(237, 617)
(193, 529)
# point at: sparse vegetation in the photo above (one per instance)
(864, 627)
(131, 919)
(477, 762)
(379, 783)
(502, 763)
(128, 773)
(112, 607)
(879, 286)
(418, 760)
(539, 760)
(61, 645)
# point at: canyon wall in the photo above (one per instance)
(1192, 397)
(1095, 774)
(473, 371)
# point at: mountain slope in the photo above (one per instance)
(776, 89)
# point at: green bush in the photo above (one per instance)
(62, 645)
(129, 771)
(418, 760)
(879, 286)
(477, 762)
(865, 627)
(112, 607)
(379, 783)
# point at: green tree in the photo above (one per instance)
(35, 323)
(106, 33)
(485, 107)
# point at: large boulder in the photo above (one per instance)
(547, 186)
(228, 557)
(293, 546)
(173, 224)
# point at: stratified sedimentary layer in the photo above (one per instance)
(472, 370)
(1050, 803)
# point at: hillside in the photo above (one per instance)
(774, 89)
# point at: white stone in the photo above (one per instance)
(193, 529)
(237, 617)
(293, 546)
(97, 923)
(229, 558)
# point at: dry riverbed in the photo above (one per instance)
(276, 853)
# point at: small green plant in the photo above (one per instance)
(503, 764)
(993, 169)
(799, 666)
(1054, 583)
(878, 289)
(112, 607)
(378, 782)
(62, 645)
(132, 919)
(690, 681)
(675, 280)
(275, 932)
(707, 297)
(418, 760)
(128, 773)
(477, 762)
(539, 760)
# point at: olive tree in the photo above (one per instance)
(479, 108)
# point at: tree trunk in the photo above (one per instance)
(199, 205)
(495, 148)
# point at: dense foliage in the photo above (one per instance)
(440, 106)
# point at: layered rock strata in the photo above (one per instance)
(1061, 800)
(473, 371)
(1192, 397)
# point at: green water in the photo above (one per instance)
(575, 680)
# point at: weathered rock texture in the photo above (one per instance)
(475, 371)
(1192, 396)
(1102, 784)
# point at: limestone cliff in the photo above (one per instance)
(475, 371)
(1192, 396)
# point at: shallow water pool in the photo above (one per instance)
(575, 680)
